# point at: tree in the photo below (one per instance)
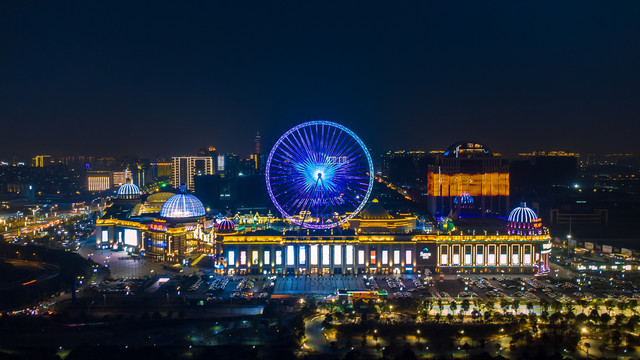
(594, 316)
(427, 305)
(583, 303)
(529, 306)
(581, 318)
(465, 306)
(633, 322)
(453, 306)
(489, 305)
(622, 306)
(570, 316)
(605, 318)
(569, 306)
(466, 347)
(633, 305)
(620, 318)
(544, 305)
(504, 304)
(516, 305)
(487, 315)
(616, 338)
(588, 346)
(533, 320)
(609, 305)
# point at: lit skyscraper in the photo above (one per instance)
(184, 168)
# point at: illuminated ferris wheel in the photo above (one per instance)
(319, 174)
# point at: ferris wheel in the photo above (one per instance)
(319, 174)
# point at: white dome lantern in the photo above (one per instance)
(182, 206)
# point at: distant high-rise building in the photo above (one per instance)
(41, 160)
(220, 164)
(161, 170)
(257, 157)
(184, 168)
(120, 177)
(99, 180)
(78, 162)
(257, 144)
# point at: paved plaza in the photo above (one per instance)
(121, 264)
(317, 285)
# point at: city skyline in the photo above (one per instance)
(316, 180)
(415, 77)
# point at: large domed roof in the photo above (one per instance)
(182, 206)
(524, 221)
(226, 226)
(128, 191)
(522, 214)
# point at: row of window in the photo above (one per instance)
(495, 255)
(317, 255)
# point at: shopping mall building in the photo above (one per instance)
(175, 228)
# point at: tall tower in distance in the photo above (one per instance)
(257, 151)
(257, 144)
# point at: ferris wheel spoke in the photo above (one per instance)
(300, 140)
(352, 149)
(284, 158)
(310, 141)
(339, 141)
(298, 187)
(294, 153)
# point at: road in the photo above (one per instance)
(315, 339)
(40, 272)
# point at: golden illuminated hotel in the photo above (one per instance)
(468, 179)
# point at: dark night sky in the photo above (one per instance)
(161, 79)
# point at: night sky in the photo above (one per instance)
(161, 79)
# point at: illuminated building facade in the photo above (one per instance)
(166, 227)
(121, 177)
(293, 253)
(184, 168)
(41, 160)
(99, 180)
(468, 180)
(359, 250)
(373, 243)
(161, 170)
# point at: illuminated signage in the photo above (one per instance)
(425, 254)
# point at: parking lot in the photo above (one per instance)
(561, 285)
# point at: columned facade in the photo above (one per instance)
(384, 254)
